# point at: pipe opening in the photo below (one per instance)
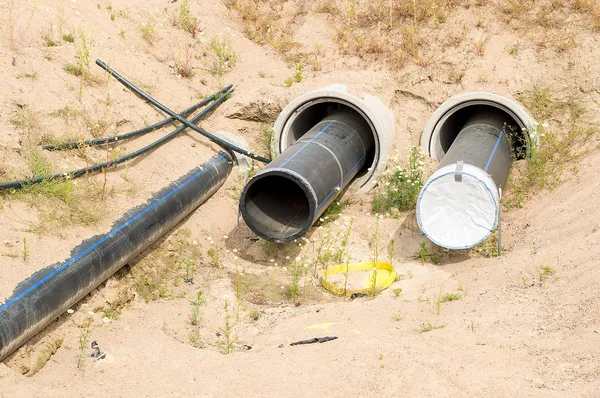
(452, 124)
(311, 113)
(276, 205)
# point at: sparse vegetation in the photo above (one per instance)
(401, 183)
(183, 63)
(428, 327)
(255, 315)
(555, 159)
(185, 20)
(224, 56)
(196, 311)
(227, 344)
(426, 255)
(148, 31)
(451, 297)
(488, 248)
(68, 37)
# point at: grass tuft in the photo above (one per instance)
(401, 183)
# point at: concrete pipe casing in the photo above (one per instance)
(459, 205)
(305, 111)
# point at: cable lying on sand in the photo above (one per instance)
(135, 133)
(111, 163)
(184, 121)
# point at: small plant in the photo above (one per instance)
(148, 32)
(195, 340)
(85, 332)
(189, 268)
(545, 273)
(375, 237)
(401, 183)
(25, 249)
(266, 134)
(425, 256)
(397, 317)
(293, 290)
(391, 251)
(227, 345)
(397, 291)
(225, 57)
(451, 297)
(488, 248)
(186, 21)
(183, 63)
(81, 67)
(438, 300)
(288, 82)
(195, 304)
(215, 256)
(299, 75)
(68, 37)
(255, 315)
(428, 327)
(47, 35)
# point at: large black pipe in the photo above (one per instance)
(50, 292)
(483, 142)
(283, 200)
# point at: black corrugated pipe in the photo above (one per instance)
(50, 292)
(283, 200)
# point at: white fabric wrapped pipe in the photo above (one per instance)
(459, 206)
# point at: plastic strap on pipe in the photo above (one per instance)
(459, 170)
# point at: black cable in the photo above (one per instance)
(131, 134)
(184, 121)
(100, 166)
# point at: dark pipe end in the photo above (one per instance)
(453, 123)
(278, 205)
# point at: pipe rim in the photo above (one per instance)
(528, 125)
(295, 107)
(300, 181)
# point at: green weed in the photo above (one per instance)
(428, 327)
(451, 297)
(196, 310)
(224, 56)
(401, 183)
(227, 344)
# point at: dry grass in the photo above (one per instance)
(264, 23)
(562, 146)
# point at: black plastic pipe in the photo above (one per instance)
(50, 292)
(483, 142)
(138, 132)
(184, 121)
(283, 200)
(122, 159)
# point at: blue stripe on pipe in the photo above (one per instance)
(494, 151)
(109, 235)
(305, 145)
(346, 176)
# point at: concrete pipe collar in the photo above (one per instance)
(445, 123)
(303, 112)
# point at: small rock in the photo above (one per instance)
(596, 228)
(538, 383)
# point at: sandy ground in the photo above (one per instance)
(514, 332)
